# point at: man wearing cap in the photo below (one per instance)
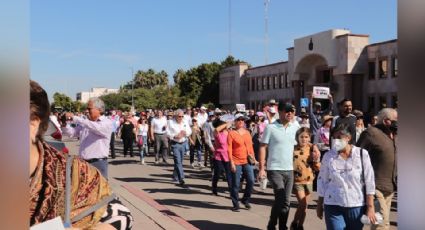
(279, 140)
(316, 114)
(271, 112)
(202, 116)
(158, 135)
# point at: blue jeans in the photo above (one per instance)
(282, 182)
(218, 167)
(102, 166)
(236, 180)
(144, 148)
(340, 218)
(178, 150)
(198, 150)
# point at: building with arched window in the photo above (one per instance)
(345, 62)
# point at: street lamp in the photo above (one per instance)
(132, 89)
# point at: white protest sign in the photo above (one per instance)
(321, 92)
(240, 107)
(53, 224)
(227, 117)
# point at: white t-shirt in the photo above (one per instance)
(158, 124)
(142, 129)
(202, 118)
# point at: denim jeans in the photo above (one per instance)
(236, 180)
(144, 148)
(178, 150)
(218, 167)
(340, 218)
(198, 150)
(282, 182)
(102, 166)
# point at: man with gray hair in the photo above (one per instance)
(379, 141)
(94, 134)
(178, 132)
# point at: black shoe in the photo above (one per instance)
(215, 193)
(235, 209)
(182, 182)
(247, 205)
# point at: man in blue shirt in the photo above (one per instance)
(279, 140)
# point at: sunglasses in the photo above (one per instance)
(240, 119)
(180, 116)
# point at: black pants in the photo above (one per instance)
(128, 144)
(112, 145)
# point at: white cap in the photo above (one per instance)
(203, 108)
(239, 115)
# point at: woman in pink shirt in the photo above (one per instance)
(221, 156)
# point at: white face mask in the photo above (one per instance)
(339, 144)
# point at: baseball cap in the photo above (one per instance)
(318, 104)
(260, 114)
(210, 113)
(287, 107)
(203, 108)
(240, 115)
(272, 101)
(217, 110)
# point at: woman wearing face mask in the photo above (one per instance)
(340, 184)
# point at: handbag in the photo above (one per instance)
(251, 160)
(375, 200)
(140, 141)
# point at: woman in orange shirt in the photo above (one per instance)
(239, 148)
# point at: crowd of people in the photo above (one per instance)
(348, 158)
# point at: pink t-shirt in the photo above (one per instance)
(220, 145)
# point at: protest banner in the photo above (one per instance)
(304, 102)
(240, 107)
(321, 92)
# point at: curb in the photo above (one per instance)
(161, 208)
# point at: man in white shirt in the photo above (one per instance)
(94, 133)
(158, 133)
(178, 132)
(202, 116)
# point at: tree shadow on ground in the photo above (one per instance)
(174, 191)
(205, 224)
(144, 180)
(122, 162)
(187, 204)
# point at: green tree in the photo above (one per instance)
(62, 100)
(148, 79)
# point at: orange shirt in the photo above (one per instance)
(239, 146)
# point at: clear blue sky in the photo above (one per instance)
(79, 44)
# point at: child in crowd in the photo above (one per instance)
(306, 161)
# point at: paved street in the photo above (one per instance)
(159, 203)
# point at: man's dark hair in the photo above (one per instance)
(343, 101)
(39, 107)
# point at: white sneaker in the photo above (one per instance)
(193, 165)
(201, 165)
(143, 161)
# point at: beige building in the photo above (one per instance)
(344, 62)
(94, 92)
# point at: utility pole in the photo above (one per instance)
(266, 31)
(230, 27)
